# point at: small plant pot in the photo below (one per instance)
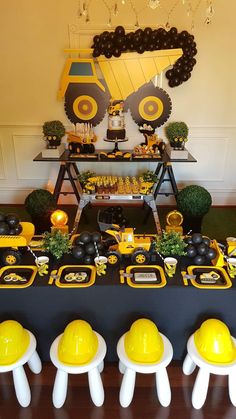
(53, 141)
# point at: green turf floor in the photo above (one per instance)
(219, 223)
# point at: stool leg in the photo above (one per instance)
(127, 387)
(121, 367)
(21, 385)
(101, 367)
(96, 387)
(188, 365)
(163, 387)
(232, 386)
(35, 363)
(200, 388)
(60, 388)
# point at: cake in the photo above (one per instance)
(116, 121)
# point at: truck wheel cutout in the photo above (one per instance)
(11, 257)
(85, 103)
(151, 105)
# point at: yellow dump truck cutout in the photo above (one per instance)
(127, 78)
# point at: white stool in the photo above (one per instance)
(93, 368)
(21, 384)
(193, 359)
(130, 368)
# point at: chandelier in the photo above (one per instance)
(168, 9)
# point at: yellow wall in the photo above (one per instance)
(33, 35)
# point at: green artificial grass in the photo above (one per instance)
(218, 224)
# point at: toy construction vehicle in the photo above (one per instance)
(126, 78)
(138, 246)
(10, 252)
(82, 139)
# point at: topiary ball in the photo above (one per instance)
(193, 201)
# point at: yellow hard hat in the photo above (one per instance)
(78, 344)
(14, 341)
(214, 343)
(143, 342)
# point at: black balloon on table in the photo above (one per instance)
(85, 237)
(140, 49)
(90, 249)
(78, 252)
(96, 52)
(18, 229)
(88, 260)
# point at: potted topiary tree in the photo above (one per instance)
(53, 132)
(193, 202)
(40, 204)
(170, 244)
(177, 134)
(56, 243)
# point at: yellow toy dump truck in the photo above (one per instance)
(138, 246)
(10, 252)
(126, 78)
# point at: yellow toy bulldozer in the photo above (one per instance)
(10, 253)
(138, 246)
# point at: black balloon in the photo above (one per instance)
(85, 237)
(90, 249)
(96, 39)
(108, 54)
(173, 31)
(120, 31)
(96, 52)
(18, 229)
(4, 228)
(139, 32)
(88, 260)
(117, 52)
(12, 220)
(140, 49)
(199, 260)
(169, 74)
(211, 254)
(147, 31)
(119, 40)
(78, 252)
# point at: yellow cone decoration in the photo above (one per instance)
(78, 344)
(143, 342)
(214, 343)
(14, 341)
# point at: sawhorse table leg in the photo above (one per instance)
(65, 168)
(166, 169)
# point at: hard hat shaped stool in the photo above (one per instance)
(18, 347)
(140, 353)
(78, 350)
(213, 350)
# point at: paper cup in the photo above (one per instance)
(231, 267)
(170, 266)
(42, 264)
(100, 262)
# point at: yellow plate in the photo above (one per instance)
(146, 268)
(58, 275)
(16, 269)
(192, 271)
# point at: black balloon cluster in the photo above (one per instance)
(86, 247)
(114, 43)
(10, 224)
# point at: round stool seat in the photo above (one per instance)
(93, 368)
(20, 380)
(193, 359)
(129, 368)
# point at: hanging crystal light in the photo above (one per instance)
(153, 4)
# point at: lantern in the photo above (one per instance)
(59, 220)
